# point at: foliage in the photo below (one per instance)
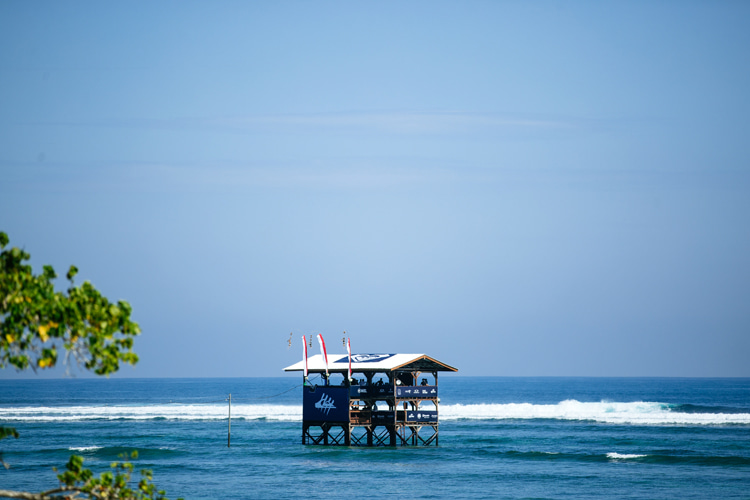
(4, 433)
(35, 321)
(77, 482)
(8, 432)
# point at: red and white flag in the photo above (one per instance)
(304, 353)
(349, 350)
(323, 350)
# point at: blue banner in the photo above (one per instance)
(417, 391)
(365, 358)
(370, 391)
(381, 390)
(358, 392)
(383, 417)
(430, 416)
(325, 404)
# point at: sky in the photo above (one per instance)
(513, 188)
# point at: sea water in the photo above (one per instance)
(639, 438)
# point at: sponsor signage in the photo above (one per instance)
(422, 416)
(358, 391)
(365, 358)
(325, 404)
(383, 417)
(368, 391)
(381, 390)
(417, 392)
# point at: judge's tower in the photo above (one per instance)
(391, 400)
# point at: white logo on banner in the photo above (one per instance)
(369, 358)
(325, 404)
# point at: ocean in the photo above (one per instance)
(500, 437)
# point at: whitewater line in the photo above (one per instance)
(635, 413)
(632, 413)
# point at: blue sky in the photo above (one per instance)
(516, 188)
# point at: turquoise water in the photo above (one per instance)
(499, 438)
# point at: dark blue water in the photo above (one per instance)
(499, 438)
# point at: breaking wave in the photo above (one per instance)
(624, 456)
(84, 448)
(152, 412)
(634, 413)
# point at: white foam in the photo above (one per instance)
(85, 448)
(170, 412)
(636, 413)
(623, 456)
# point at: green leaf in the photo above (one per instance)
(49, 273)
(8, 432)
(71, 273)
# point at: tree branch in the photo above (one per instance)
(48, 495)
(22, 495)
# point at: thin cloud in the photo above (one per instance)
(397, 123)
(159, 177)
(311, 176)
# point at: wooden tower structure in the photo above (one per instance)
(390, 400)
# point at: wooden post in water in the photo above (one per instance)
(229, 423)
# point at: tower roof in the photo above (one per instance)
(371, 363)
